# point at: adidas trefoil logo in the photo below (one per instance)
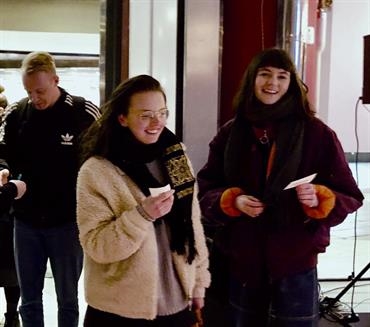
(66, 139)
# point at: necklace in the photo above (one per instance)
(264, 139)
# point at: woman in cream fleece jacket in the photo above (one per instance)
(146, 259)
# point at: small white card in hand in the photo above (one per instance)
(158, 190)
(300, 181)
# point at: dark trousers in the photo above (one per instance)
(290, 302)
(33, 248)
(97, 318)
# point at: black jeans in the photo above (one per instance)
(97, 318)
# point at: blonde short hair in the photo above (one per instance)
(38, 61)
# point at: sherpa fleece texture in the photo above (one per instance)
(121, 260)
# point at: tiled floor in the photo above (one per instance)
(345, 255)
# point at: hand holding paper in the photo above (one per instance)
(4, 174)
(159, 203)
(300, 181)
(158, 190)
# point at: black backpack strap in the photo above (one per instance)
(21, 118)
(23, 114)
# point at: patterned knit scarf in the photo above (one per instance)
(132, 159)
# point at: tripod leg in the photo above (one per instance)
(354, 280)
(331, 302)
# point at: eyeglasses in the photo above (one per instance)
(150, 115)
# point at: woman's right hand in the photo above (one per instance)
(249, 205)
(4, 174)
(21, 187)
(158, 206)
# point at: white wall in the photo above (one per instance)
(67, 26)
(67, 16)
(342, 73)
(153, 31)
(153, 36)
(86, 43)
(201, 80)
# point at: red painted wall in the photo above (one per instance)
(244, 33)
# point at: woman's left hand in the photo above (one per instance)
(307, 195)
(197, 303)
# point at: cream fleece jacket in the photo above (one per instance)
(121, 260)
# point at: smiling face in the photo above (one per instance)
(147, 116)
(271, 84)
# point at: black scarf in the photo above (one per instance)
(242, 145)
(132, 158)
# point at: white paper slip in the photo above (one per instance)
(154, 191)
(300, 181)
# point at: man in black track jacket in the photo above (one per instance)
(41, 136)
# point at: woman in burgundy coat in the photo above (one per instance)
(272, 234)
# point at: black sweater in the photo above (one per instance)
(41, 149)
(7, 193)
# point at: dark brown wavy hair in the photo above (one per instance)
(101, 138)
(277, 58)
